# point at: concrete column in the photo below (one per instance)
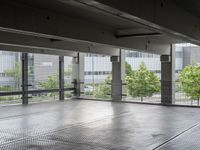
(78, 74)
(118, 76)
(168, 77)
(25, 78)
(61, 78)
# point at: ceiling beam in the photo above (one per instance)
(30, 44)
(160, 15)
(22, 19)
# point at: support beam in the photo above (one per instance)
(163, 16)
(61, 27)
(31, 44)
(25, 78)
(118, 76)
(168, 78)
(61, 78)
(78, 74)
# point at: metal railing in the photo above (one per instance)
(35, 91)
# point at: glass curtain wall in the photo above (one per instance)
(142, 77)
(97, 71)
(43, 74)
(68, 76)
(187, 74)
(10, 76)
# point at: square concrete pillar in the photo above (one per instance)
(168, 77)
(78, 74)
(118, 76)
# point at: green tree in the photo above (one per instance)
(128, 69)
(142, 82)
(50, 83)
(103, 90)
(15, 73)
(5, 88)
(190, 81)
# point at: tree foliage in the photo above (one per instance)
(6, 88)
(128, 69)
(190, 81)
(50, 83)
(103, 90)
(142, 82)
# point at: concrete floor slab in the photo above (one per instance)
(86, 125)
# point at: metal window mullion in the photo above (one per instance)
(24, 78)
(61, 78)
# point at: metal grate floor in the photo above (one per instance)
(89, 125)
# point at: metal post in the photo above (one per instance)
(24, 78)
(61, 78)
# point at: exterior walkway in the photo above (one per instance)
(89, 125)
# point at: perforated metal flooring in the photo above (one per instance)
(89, 125)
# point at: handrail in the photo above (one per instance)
(35, 91)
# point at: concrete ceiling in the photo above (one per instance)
(69, 7)
(124, 24)
(192, 6)
(79, 10)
